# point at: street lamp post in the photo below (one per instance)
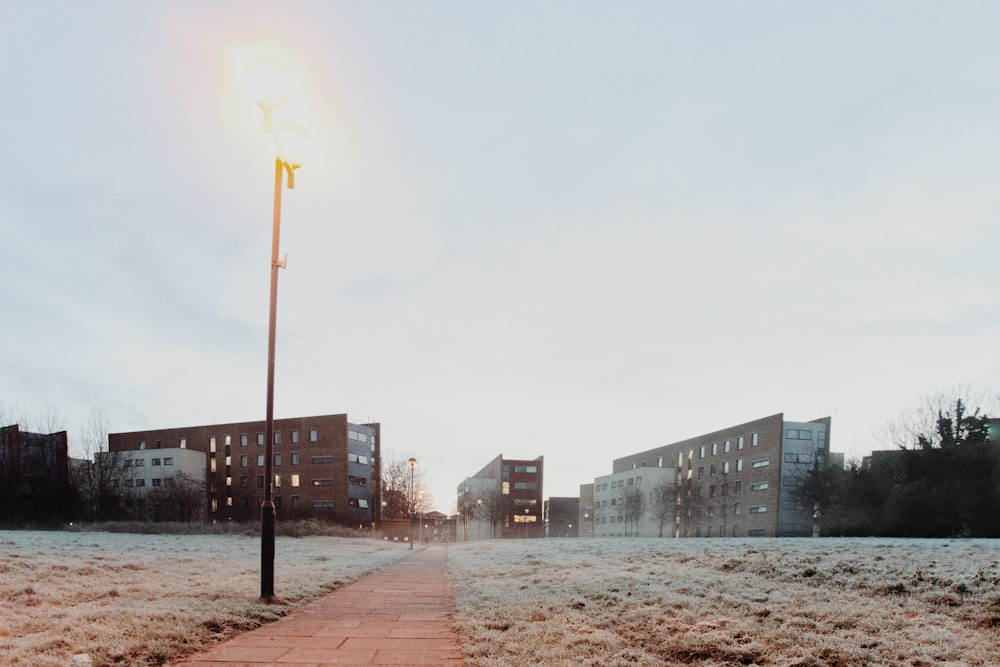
(526, 510)
(479, 518)
(413, 464)
(284, 164)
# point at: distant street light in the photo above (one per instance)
(413, 464)
(273, 81)
(420, 509)
(526, 511)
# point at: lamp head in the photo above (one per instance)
(293, 143)
(269, 83)
(412, 462)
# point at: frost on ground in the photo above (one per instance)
(104, 599)
(830, 602)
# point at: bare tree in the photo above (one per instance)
(101, 481)
(631, 504)
(180, 498)
(663, 502)
(401, 492)
(492, 506)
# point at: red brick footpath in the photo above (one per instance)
(398, 615)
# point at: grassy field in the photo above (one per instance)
(131, 599)
(802, 602)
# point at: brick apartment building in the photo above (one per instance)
(506, 495)
(324, 466)
(741, 480)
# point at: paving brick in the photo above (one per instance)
(399, 615)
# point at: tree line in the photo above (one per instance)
(941, 480)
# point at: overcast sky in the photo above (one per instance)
(570, 229)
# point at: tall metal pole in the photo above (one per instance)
(267, 514)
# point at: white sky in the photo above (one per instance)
(570, 229)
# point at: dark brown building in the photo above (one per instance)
(324, 466)
(34, 478)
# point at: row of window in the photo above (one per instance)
(296, 480)
(245, 439)
(704, 450)
(156, 481)
(619, 483)
(140, 463)
(359, 503)
(316, 460)
(803, 434)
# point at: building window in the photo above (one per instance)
(229, 481)
(763, 463)
(277, 459)
(525, 486)
(157, 481)
(295, 500)
(736, 508)
(215, 504)
(758, 487)
(526, 469)
(701, 471)
(725, 446)
(712, 470)
(757, 532)
(313, 435)
(323, 481)
(212, 464)
(322, 503)
(142, 445)
(758, 509)
(229, 501)
(211, 444)
(243, 439)
(737, 488)
(154, 462)
(139, 463)
(277, 437)
(295, 458)
(260, 460)
(753, 440)
(739, 465)
(244, 460)
(244, 481)
(260, 439)
(739, 442)
(260, 481)
(354, 480)
(357, 458)
(711, 490)
(277, 480)
(725, 467)
(140, 482)
(715, 448)
(184, 443)
(168, 461)
(322, 459)
(295, 480)
(295, 436)
(701, 452)
(505, 489)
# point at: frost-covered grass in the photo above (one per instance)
(143, 599)
(833, 602)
